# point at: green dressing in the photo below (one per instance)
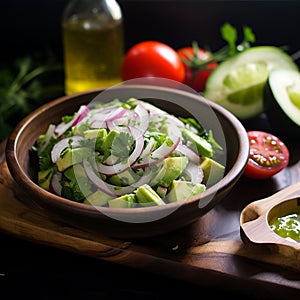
(287, 226)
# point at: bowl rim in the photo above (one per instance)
(21, 177)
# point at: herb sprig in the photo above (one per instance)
(25, 84)
(229, 34)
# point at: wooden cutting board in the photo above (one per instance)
(209, 252)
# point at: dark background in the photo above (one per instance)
(29, 26)
(35, 25)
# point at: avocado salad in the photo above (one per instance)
(127, 154)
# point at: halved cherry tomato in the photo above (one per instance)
(152, 59)
(268, 155)
(197, 67)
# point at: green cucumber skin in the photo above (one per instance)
(214, 90)
(279, 121)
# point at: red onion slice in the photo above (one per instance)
(178, 122)
(97, 180)
(78, 116)
(83, 111)
(194, 172)
(48, 135)
(164, 150)
(189, 153)
(120, 124)
(74, 141)
(157, 156)
(101, 113)
(98, 123)
(119, 112)
(149, 148)
(111, 160)
(112, 189)
(62, 128)
(55, 186)
(142, 121)
(153, 110)
(100, 120)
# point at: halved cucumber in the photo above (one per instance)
(282, 102)
(237, 83)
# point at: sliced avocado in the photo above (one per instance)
(146, 196)
(162, 191)
(44, 178)
(125, 201)
(98, 198)
(72, 157)
(75, 184)
(171, 169)
(198, 143)
(98, 134)
(212, 170)
(282, 103)
(76, 171)
(108, 141)
(127, 177)
(95, 133)
(79, 129)
(182, 190)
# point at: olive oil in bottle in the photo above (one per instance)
(93, 42)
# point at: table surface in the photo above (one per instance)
(44, 272)
(28, 269)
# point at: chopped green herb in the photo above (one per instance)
(122, 145)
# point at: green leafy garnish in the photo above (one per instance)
(229, 34)
(193, 125)
(67, 119)
(213, 142)
(26, 84)
(45, 157)
(122, 145)
(157, 136)
(72, 190)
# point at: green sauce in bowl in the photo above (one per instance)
(287, 226)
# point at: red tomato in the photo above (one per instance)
(152, 59)
(196, 71)
(268, 155)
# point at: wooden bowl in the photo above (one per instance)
(124, 222)
(255, 221)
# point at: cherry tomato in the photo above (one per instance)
(152, 59)
(268, 155)
(196, 70)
